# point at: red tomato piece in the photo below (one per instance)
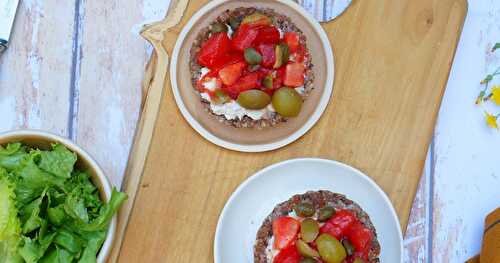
(285, 231)
(248, 81)
(332, 230)
(230, 74)
(339, 225)
(292, 40)
(280, 77)
(288, 255)
(213, 49)
(268, 35)
(294, 75)
(227, 59)
(360, 236)
(300, 54)
(244, 37)
(268, 55)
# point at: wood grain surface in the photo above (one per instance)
(47, 47)
(369, 125)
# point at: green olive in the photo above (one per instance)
(252, 57)
(234, 23)
(358, 260)
(348, 247)
(254, 99)
(330, 249)
(304, 209)
(307, 260)
(219, 27)
(257, 17)
(220, 97)
(325, 213)
(268, 82)
(287, 102)
(309, 229)
(282, 55)
(305, 250)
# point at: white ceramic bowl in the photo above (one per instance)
(252, 139)
(254, 200)
(42, 140)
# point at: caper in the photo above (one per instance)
(234, 23)
(253, 99)
(307, 260)
(348, 247)
(330, 249)
(305, 250)
(256, 18)
(252, 57)
(309, 229)
(268, 82)
(219, 27)
(220, 97)
(304, 209)
(325, 213)
(358, 260)
(282, 55)
(287, 102)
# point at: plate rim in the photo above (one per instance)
(313, 119)
(264, 170)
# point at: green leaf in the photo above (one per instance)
(10, 229)
(495, 47)
(56, 215)
(30, 215)
(106, 213)
(75, 207)
(69, 241)
(59, 161)
(11, 156)
(57, 255)
(33, 250)
(95, 240)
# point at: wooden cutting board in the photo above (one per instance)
(392, 60)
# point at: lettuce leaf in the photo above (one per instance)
(10, 229)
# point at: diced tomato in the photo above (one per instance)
(268, 35)
(294, 76)
(280, 77)
(285, 231)
(227, 59)
(248, 81)
(292, 40)
(244, 37)
(230, 74)
(360, 236)
(213, 49)
(268, 55)
(339, 225)
(300, 54)
(289, 254)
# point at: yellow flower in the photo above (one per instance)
(491, 120)
(495, 94)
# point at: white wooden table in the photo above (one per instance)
(75, 67)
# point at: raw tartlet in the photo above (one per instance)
(317, 227)
(252, 68)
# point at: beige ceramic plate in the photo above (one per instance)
(247, 139)
(43, 140)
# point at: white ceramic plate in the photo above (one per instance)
(254, 200)
(253, 147)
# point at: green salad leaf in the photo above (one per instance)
(50, 212)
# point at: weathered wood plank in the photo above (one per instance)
(35, 71)
(467, 176)
(113, 57)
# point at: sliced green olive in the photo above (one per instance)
(252, 57)
(268, 82)
(308, 260)
(254, 99)
(348, 247)
(287, 102)
(309, 229)
(330, 249)
(305, 250)
(219, 27)
(220, 97)
(325, 213)
(282, 55)
(304, 209)
(234, 23)
(257, 18)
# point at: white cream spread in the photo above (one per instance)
(233, 111)
(204, 71)
(210, 84)
(301, 90)
(229, 31)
